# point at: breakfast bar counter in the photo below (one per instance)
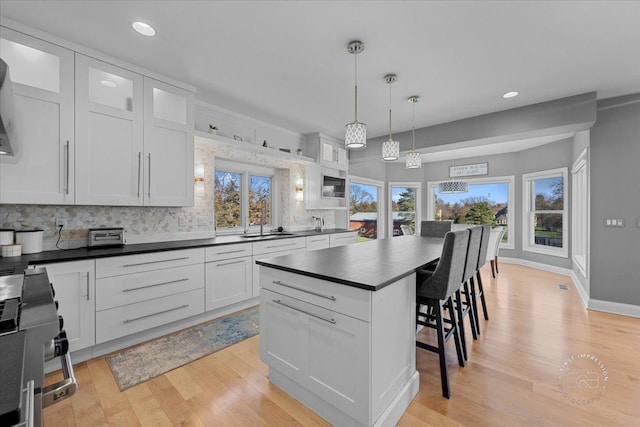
(337, 327)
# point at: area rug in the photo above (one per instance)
(148, 360)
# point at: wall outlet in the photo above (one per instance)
(614, 222)
(61, 222)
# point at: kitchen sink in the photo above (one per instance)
(257, 236)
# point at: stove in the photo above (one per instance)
(31, 333)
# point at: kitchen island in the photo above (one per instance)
(337, 327)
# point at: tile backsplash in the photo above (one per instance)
(146, 224)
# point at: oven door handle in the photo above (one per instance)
(54, 393)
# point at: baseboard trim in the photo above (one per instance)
(589, 303)
(614, 307)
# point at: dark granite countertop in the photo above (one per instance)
(368, 265)
(84, 253)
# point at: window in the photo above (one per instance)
(405, 206)
(580, 212)
(489, 200)
(365, 206)
(242, 192)
(544, 212)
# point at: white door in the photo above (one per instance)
(74, 285)
(42, 172)
(168, 145)
(227, 282)
(109, 126)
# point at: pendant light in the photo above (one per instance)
(390, 148)
(453, 186)
(355, 132)
(414, 159)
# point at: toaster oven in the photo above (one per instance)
(104, 237)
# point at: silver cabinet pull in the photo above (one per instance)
(332, 321)
(230, 263)
(329, 297)
(230, 252)
(66, 149)
(155, 284)
(139, 171)
(318, 240)
(155, 262)
(88, 298)
(149, 189)
(156, 314)
(281, 246)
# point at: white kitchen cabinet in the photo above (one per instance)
(327, 151)
(318, 242)
(340, 239)
(143, 291)
(228, 275)
(270, 249)
(109, 134)
(168, 145)
(74, 285)
(42, 172)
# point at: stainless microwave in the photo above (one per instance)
(333, 187)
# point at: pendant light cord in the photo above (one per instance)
(413, 131)
(356, 83)
(389, 111)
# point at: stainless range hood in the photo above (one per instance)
(9, 143)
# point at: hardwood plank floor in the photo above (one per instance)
(513, 375)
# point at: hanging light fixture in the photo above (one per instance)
(414, 159)
(390, 148)
(453, 186)
(355, 132)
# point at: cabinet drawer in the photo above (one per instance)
(278, 245)
(120, 265)
(217, 253)
(340, 298)
(317, 242)
(340, 239)
(132, 288)
(132, 318)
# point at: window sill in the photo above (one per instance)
(560, 253)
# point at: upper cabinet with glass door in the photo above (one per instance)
(42, 172)
(168, 144)
(109, 132)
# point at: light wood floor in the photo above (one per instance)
(513, 376)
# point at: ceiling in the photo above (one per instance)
(286, 63)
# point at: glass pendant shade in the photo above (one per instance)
(391, 150)
(414, 160)
(355, 135)
(453, 187)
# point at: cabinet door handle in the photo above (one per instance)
(139, 171)
(88, 287)
(230, 263)
(329, 297)
(155, 284)
(318, 240)
(155, 262)
(230, 252)
(332, 321)
(149, 189)
(281, 246)
(155, 314)
(66, 149)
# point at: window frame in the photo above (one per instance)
(382, 231)
(580, 213)
(418, 203)
(511, 201)
(528, 228)
(246, 169)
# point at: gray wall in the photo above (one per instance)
(615, 193)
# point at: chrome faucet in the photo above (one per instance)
(246, 225)
(263, 213)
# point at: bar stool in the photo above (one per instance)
(434, 228)
(465, 307)
(434, 290)
(482, 259)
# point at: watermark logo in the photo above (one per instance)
(584, 377)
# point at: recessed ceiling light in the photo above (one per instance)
(510, 94)
(143, 28)
(108, 83)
